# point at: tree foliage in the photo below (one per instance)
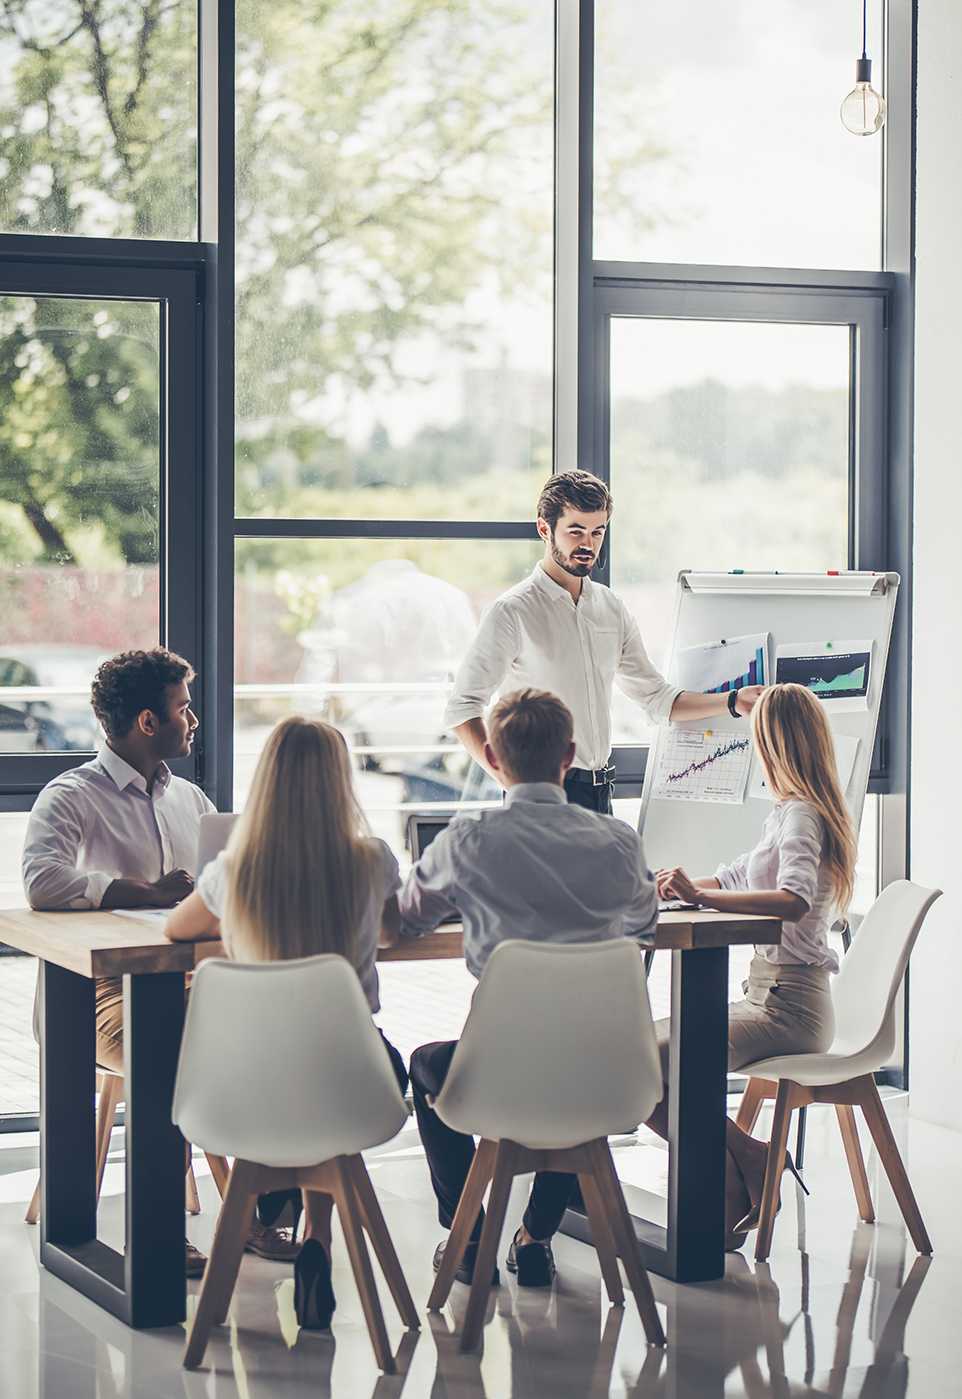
(372, 147)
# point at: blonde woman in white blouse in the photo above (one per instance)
(802, 871)
(301, 875)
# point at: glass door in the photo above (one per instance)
(98, 520)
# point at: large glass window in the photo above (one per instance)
(718, 139)
(394, 258)
(98, 117)
(729, 449)
(80, 473)
(368, 634)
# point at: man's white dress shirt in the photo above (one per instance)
(535, 635)
(535, 868)
(97, 823)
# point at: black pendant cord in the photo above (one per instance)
(864, 29)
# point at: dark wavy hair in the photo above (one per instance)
(578, 489)
(133, 681)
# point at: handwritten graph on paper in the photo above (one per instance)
(694, 766)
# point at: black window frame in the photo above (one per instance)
(159, 274)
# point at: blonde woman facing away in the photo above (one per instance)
(301, 876)
(801, 871)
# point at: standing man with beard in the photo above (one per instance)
(560, 632)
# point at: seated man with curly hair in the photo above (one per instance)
(121, 831)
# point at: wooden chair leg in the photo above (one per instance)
(856, 1163)
(482, 1169)
(347, 1208)
(190, 1190)
(504, 1171)
(111, 1091)
(382, 1243)
(887, 1148)
(750, 1106)
(603, 1238)
(613, 1201)
(220, 1275)
(777, 1147)
(220, 1171)
(33, 1209)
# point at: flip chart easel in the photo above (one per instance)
(792, 608)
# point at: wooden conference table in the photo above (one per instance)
(145, 1285)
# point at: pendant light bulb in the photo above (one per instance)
(863, 110)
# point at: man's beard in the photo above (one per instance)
(576, 570)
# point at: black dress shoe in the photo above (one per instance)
(314, 1300)
(534, 1263)
(465, 1272)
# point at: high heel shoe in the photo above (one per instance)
(314, 1300)
(750, 1221)
(736, 1198)
(271, 1206)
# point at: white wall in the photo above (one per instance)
(936, 792)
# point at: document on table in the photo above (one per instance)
(155, 917)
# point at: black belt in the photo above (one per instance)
(593, 777)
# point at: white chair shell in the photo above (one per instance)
(863, 994)
(281, 1064)
(558, 1048)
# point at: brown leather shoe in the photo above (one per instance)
(271, 1242)
(196, 1261)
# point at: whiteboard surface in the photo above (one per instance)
(792, 607)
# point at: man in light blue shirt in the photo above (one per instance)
(535, 868)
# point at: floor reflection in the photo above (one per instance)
(802, 1326)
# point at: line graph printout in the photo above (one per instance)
(697, 766)
(835, 671)
(716, 667)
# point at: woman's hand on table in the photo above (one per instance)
(676, 884)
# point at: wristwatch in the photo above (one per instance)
(732, 702)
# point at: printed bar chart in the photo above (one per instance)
(754, 675)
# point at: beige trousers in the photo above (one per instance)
(109, 1021)
(787, 1010)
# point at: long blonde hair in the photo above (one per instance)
(301, 865)
(794, 743)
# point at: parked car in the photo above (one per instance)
(62, 723)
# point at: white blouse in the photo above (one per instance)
(789, 856)
(212, 888)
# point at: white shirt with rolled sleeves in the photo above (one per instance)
(789, 856)
(535, 635)
(97, 823)
(535, 868)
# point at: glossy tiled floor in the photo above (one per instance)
(843, 1309)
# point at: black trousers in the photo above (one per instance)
(450, 1153)
(584, 794)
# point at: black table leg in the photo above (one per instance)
(68, 1199)
(697, 1101)
(154, 1276)
(692, 1248)
(144, 1286)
